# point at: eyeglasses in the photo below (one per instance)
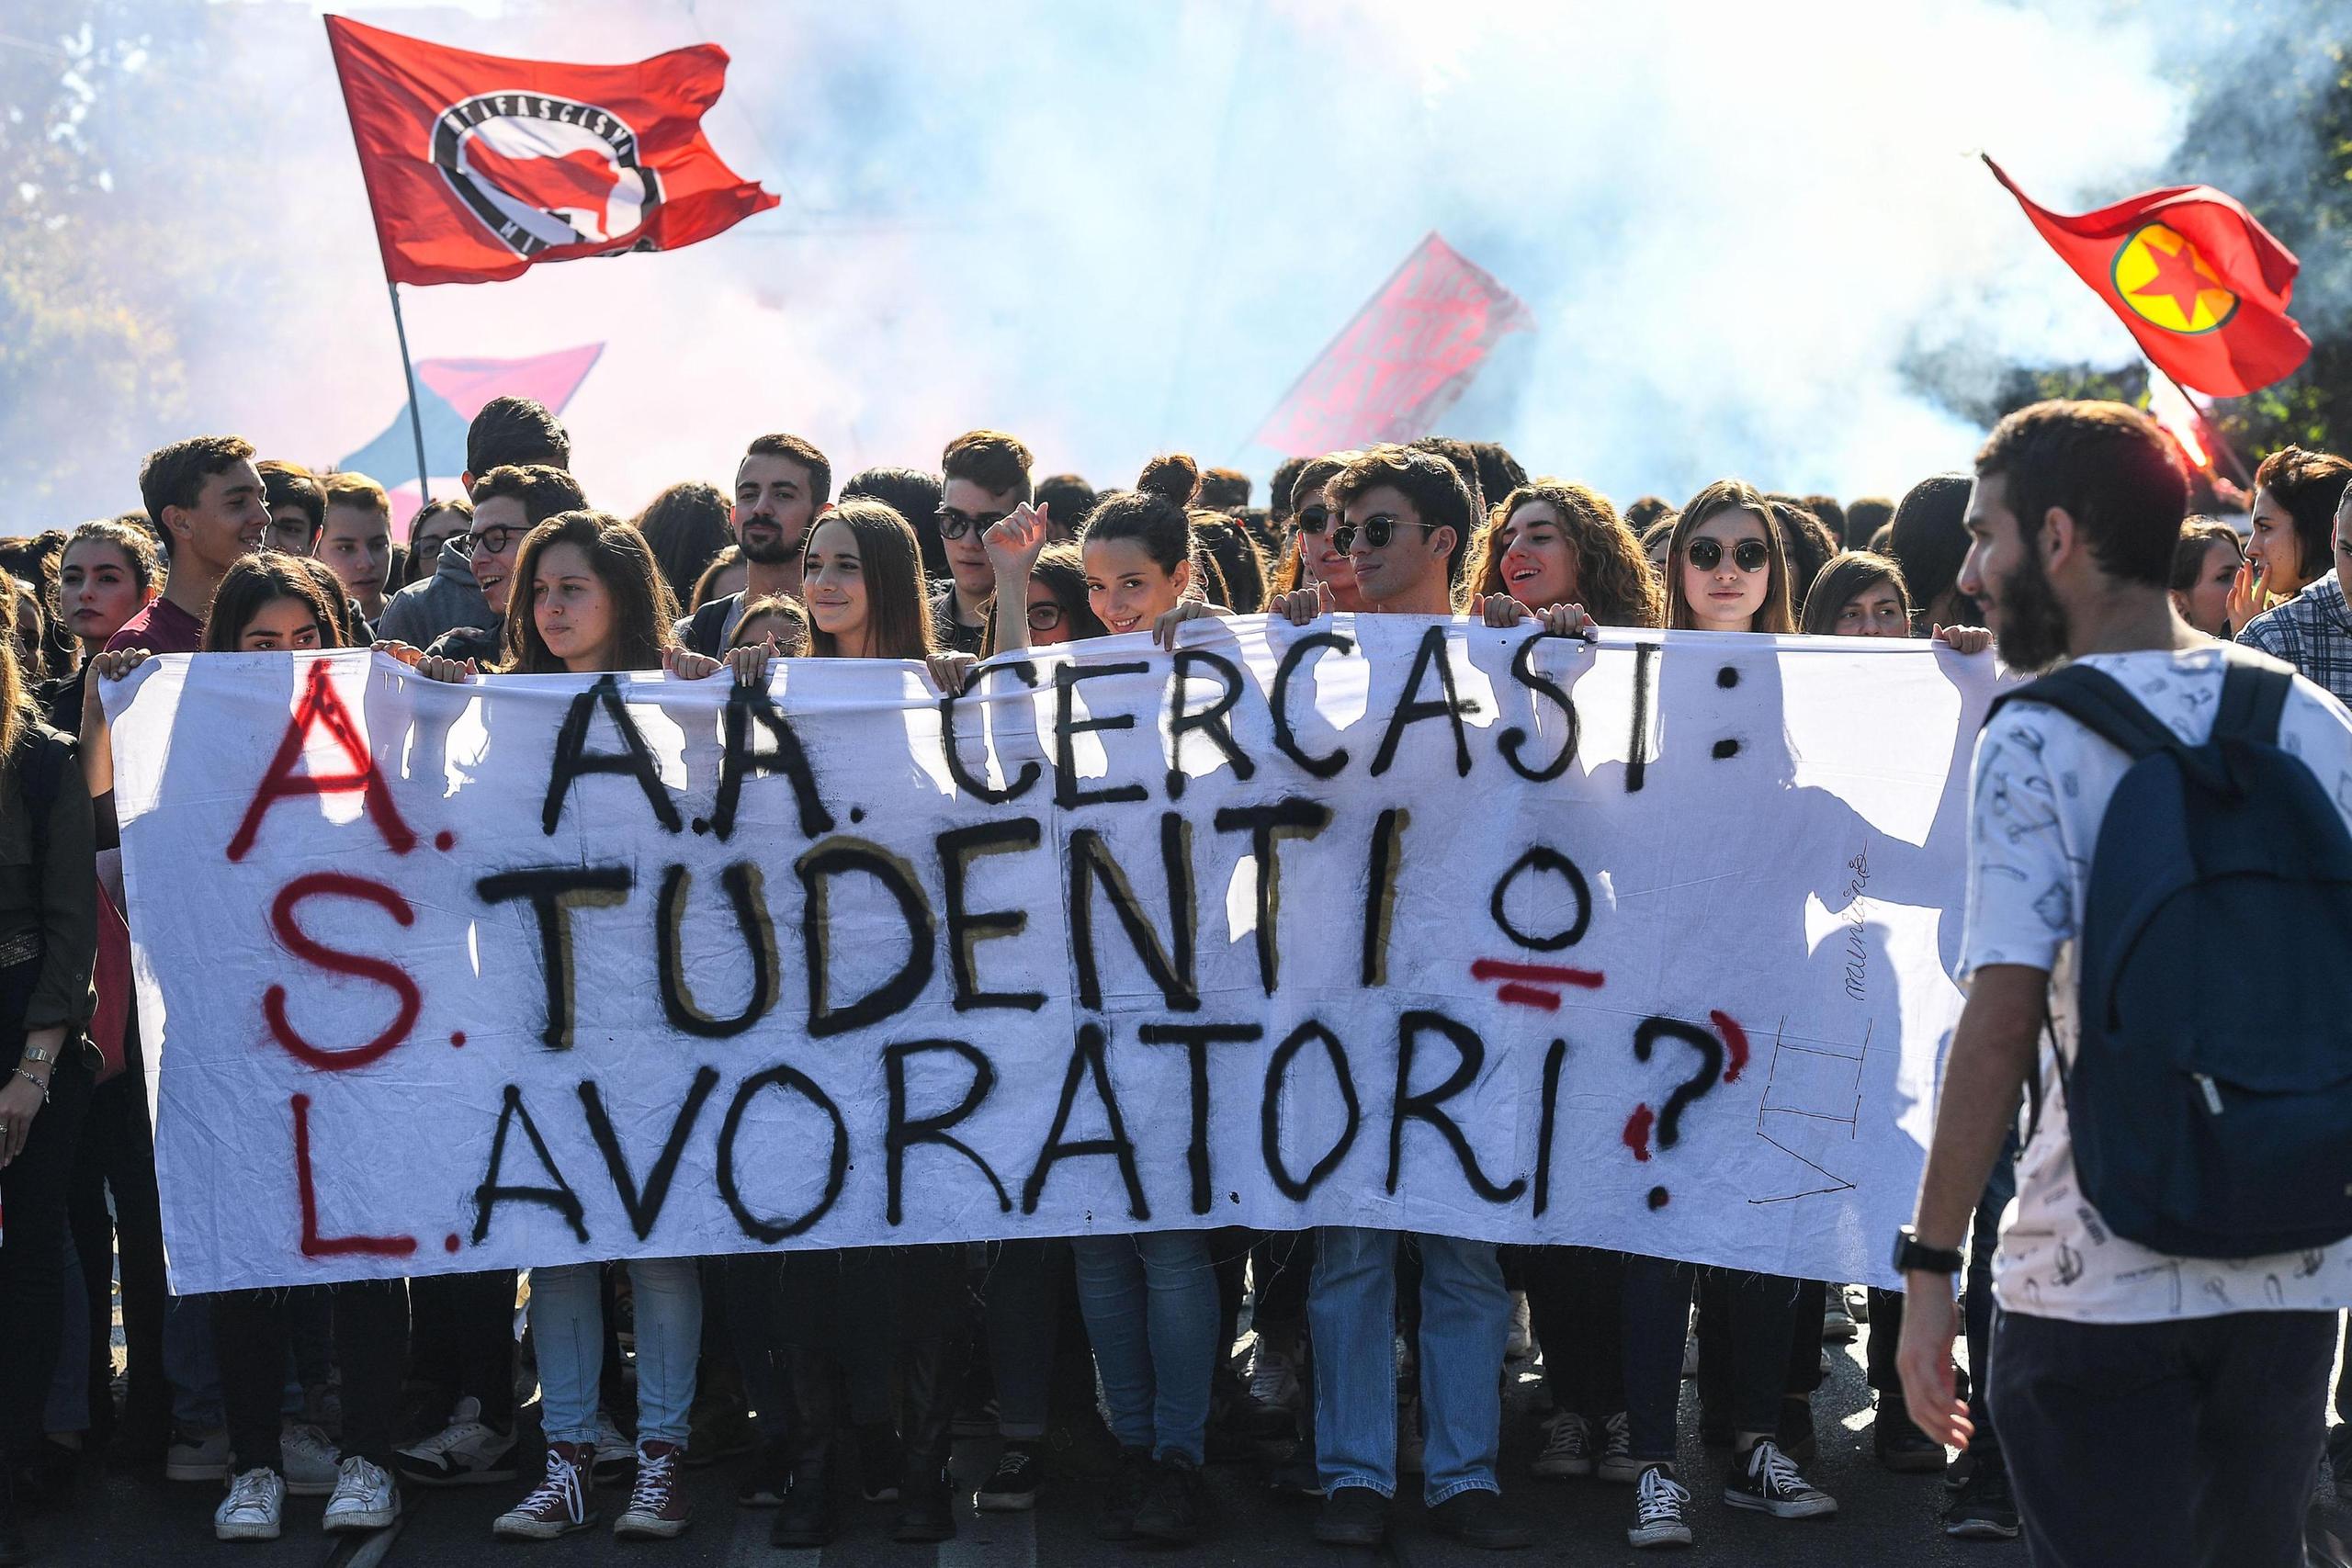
(1313, 520)
(1748, 555)
(955, 524)
(494, 538)
(1045, 617)
(1377, 530)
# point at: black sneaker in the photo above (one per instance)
(1012, 1488)
(1661, 1510)
(880, 1462)
(1767, 1481)
(1353, 1515)
(1172, 1502)
(1115, 1515)
(1476, 1519)
(1901, 1446)
(1982, 1510)
(767, 1479)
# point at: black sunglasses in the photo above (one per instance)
(955, 524)
(1314, 519)
(1377, 530)
(494, 538)
(1748, 555)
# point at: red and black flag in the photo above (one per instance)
(479, 167)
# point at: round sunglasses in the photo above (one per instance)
(1377, 530)
(1748, 555)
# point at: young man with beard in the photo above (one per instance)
(1406, 522)
(2153, 1408)
(781, 485)
(985, 475)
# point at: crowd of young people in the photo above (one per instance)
(1375, 1356)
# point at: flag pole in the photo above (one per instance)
(415, 412)
(2212, 430)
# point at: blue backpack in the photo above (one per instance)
(2210, 1108)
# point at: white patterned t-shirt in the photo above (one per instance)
(2041, 786)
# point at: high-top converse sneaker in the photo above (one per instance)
(558, 1504)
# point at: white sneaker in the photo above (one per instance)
(466, 1452)
(365, 1497)
(196, 1456)
(255, 1504)
(1274, 1380)
(1567, 1447)
(1617, 1463)
(309, 1462)
(1661, 1510)
(1521, 1343)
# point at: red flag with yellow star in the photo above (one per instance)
(2201, 284)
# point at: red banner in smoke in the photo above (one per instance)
(1403, 361)
(479, 167)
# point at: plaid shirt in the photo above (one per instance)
(2313, 631)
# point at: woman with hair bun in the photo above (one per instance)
(1149, 1299)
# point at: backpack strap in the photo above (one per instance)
(2254, 695)
(2099, 703)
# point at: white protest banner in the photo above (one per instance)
(1385, 921)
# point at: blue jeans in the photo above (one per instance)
(1465, 1319)
(568, 1323)
(1150, 1306)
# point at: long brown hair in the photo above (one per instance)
(618, 555)
(1729, 495)
(16, 703)
(890, 558)
(263, 577)
(1613, 577)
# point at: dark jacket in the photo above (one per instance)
(447, 599)
(48, 880)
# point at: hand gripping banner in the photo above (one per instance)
(1386, 921)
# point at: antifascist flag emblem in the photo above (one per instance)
(542, 171)
(2162, 277)
(479, 167)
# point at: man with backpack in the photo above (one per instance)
(2167, 1275)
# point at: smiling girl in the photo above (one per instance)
(1557, 543)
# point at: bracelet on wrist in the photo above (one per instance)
(41, 1083)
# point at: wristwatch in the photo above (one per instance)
(1914, 1255)
(37, 1054)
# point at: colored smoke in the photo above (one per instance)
(1122, 229)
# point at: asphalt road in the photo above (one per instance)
(123, 1518)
